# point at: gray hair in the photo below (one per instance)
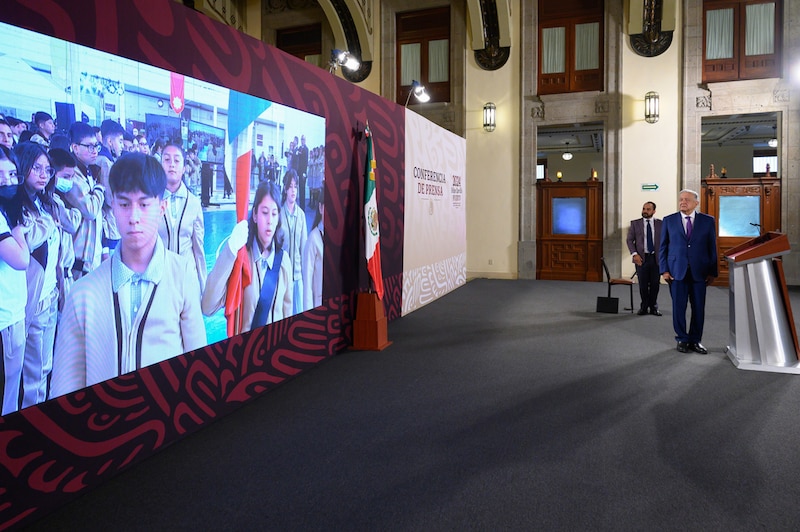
(692, 192)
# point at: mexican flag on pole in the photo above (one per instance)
(372, 235)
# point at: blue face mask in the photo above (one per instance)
(63, 185)
(8, 191)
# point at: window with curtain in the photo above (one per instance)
(742, 39)
(423, 53)
(304, 42)
(570, 46)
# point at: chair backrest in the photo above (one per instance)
(605, 269)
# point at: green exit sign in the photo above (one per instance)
(650, 186)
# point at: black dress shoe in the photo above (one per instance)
(642, 312)
(683, 347)
(656, 312)
(698, 348)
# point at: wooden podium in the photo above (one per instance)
(370, 331)
(762, 332)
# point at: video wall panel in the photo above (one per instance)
(44, 461)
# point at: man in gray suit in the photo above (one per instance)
(643, 240)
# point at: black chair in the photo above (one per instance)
(619, 281)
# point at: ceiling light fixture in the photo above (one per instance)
(773, 142)
(567, 155)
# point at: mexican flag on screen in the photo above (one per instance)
(243, 110)
(372, 235)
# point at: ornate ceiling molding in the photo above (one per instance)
(348, 23)
(652, 41)
(492, 56)
(279, 6)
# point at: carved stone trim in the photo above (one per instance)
(601, 106)
(703, 102)
(537, 111)
(781, 95)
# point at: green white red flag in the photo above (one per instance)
(372, 234)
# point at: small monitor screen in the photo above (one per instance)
(738, 214)
(569, 216)
(167, 129)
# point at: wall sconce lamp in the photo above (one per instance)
(489, 116)
(651, 107)
(419, 92)
(342, 58)
(567, 155)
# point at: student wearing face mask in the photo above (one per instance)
(69, 217)
(14, 260)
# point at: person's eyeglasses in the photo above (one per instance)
(92, 147)
(43, 170)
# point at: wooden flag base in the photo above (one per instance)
(370, 326)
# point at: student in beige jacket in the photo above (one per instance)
(138, 308)
(268, 297)
(182, 228)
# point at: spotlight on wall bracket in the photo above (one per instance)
(342, 58)
(419, 92)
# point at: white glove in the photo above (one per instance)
(238, 237)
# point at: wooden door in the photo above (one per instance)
(744, 208)
(569, 240)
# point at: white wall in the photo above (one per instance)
(650, 153)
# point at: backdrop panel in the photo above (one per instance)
(435, 249)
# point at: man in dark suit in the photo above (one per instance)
(302, 171)
(643, 234)
(688, 262)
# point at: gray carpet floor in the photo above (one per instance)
(505, 405)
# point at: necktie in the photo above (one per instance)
(136, 295)
(688, 227)
(650, 246)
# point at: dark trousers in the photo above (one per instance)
(649, 278)
(692, 292)
(301, 192)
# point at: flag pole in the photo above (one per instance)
(370, 325)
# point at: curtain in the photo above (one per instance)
(553, 50)
(409, 63)
(587, 42)
(760, 32)
(315, 59)
(719, 34)
(438, 60)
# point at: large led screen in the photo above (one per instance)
(116, 254)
